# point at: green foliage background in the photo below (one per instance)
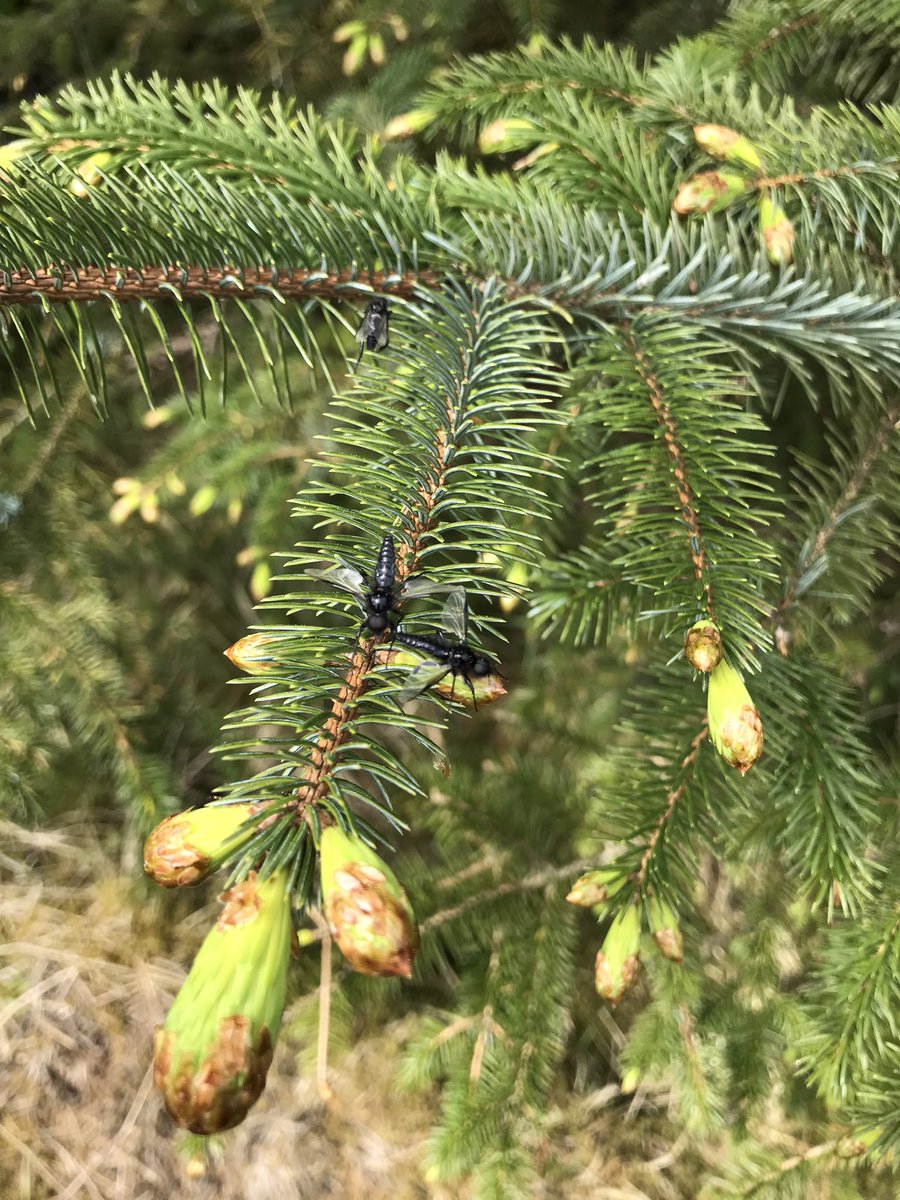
(133, 549)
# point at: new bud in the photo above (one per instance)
(89, 173)
(703, 645)
(508, 133)
(187, 847)
(408, 123)
(617, 965)
(250, 655)
(855, 1145)
(212, 1055)
(777, 232)
(665, 929)
(710, 191)
(594, 887)
(722, 142)
(630, 1081)
(368, 912)
(734, 722)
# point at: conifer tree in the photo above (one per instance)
(638, 396)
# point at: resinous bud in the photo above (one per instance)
(734, 722)
(508, 133)
(665, 929)
(593, 887)
(777, 232)
(703, 645)
(710, 191)
(367, 910)
(213, 1052)
(617, 965)
(250, 654)
(728, 144)
(188, 846)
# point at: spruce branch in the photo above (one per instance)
(695, 461)
(442, 444)
(849, 512)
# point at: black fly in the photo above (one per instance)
(379, 599)
(374, 332)
(446, 657)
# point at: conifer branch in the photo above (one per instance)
(687, 766)
(533, 882)
(779, 34)
(844, 547)
(83, 284)
(651, 382)
(419, 449)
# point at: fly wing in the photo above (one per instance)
(381, 332)
(373, 332)
(421, 585)
(428, 672)
(341, 576)
(455, 617)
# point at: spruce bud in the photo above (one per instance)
(368, 912)
(617, 965)
(703, 645)
(630, 1081)
(593, 887)
(188, 846)
(665, 930)
(855, 1145)
(212, 1055)
(249, 654)
(508, 133)
(89, 173)
(777, 232)
(722, 142)
(710, 191)
(408, 123)
(734, 722)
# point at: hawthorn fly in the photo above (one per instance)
(447, 657)
(379, 599)
(374, 332)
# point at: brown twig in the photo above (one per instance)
(663, 413)
(66, 283)
(530, 883)
(672, 799)
(419, 523)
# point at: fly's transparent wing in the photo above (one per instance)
(341, 576)
(373, 333)
(421, 585)
(455, 617)
(427, 673)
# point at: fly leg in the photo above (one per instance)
(472, 690)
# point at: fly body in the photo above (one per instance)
(445, 656)
(380, 596)
(374, 331)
